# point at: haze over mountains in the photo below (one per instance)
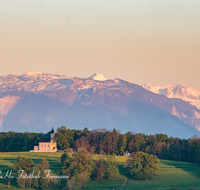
(35, 101)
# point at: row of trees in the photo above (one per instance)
(18, 142)
(108, 142)
(113, 142)
(81, 168)
(82, 162)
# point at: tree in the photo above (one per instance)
(161, 138)
(137, 143)
(100, 169)
(43, 181)
(111, 167)
(74, 183)
(85, 131)
(35, 180)
(82, 143)
(64, 157)
(143, 166)
(78, 181)
(44, 165)
(71, 183)
(67, 168)
(64, 137)
(82, 163)
(25, 165)
(121, 144)
(84, 177)
(158, 148)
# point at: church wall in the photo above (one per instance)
(35, 148)
(44, 146)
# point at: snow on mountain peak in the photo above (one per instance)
(180, 91)
(33, 73)
(97, 76)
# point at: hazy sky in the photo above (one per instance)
(142, 41)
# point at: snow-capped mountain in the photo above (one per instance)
(97, 76)
(183, 92)
(35, 101)
(180, 91)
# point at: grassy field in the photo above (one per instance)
(173, 174)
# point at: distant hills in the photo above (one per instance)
(35, 101)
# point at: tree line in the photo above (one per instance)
(105, 142)
(113, 142)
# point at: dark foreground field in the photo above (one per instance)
(173, 174)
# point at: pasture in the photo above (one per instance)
(173, 174)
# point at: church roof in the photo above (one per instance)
(45, 139)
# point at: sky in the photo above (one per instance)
(148, 41)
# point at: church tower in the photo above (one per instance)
(53, 143)
(52, 134)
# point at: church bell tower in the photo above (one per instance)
(53, 143)
(52, 134)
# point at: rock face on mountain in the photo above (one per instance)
(35, 100)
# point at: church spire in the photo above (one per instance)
(52, 130)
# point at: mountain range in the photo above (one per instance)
(36, 101)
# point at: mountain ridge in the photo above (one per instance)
(32, 104)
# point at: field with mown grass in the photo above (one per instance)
(173, 174)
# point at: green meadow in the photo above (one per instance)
(173, 174)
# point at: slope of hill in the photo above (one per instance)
(35, 101)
